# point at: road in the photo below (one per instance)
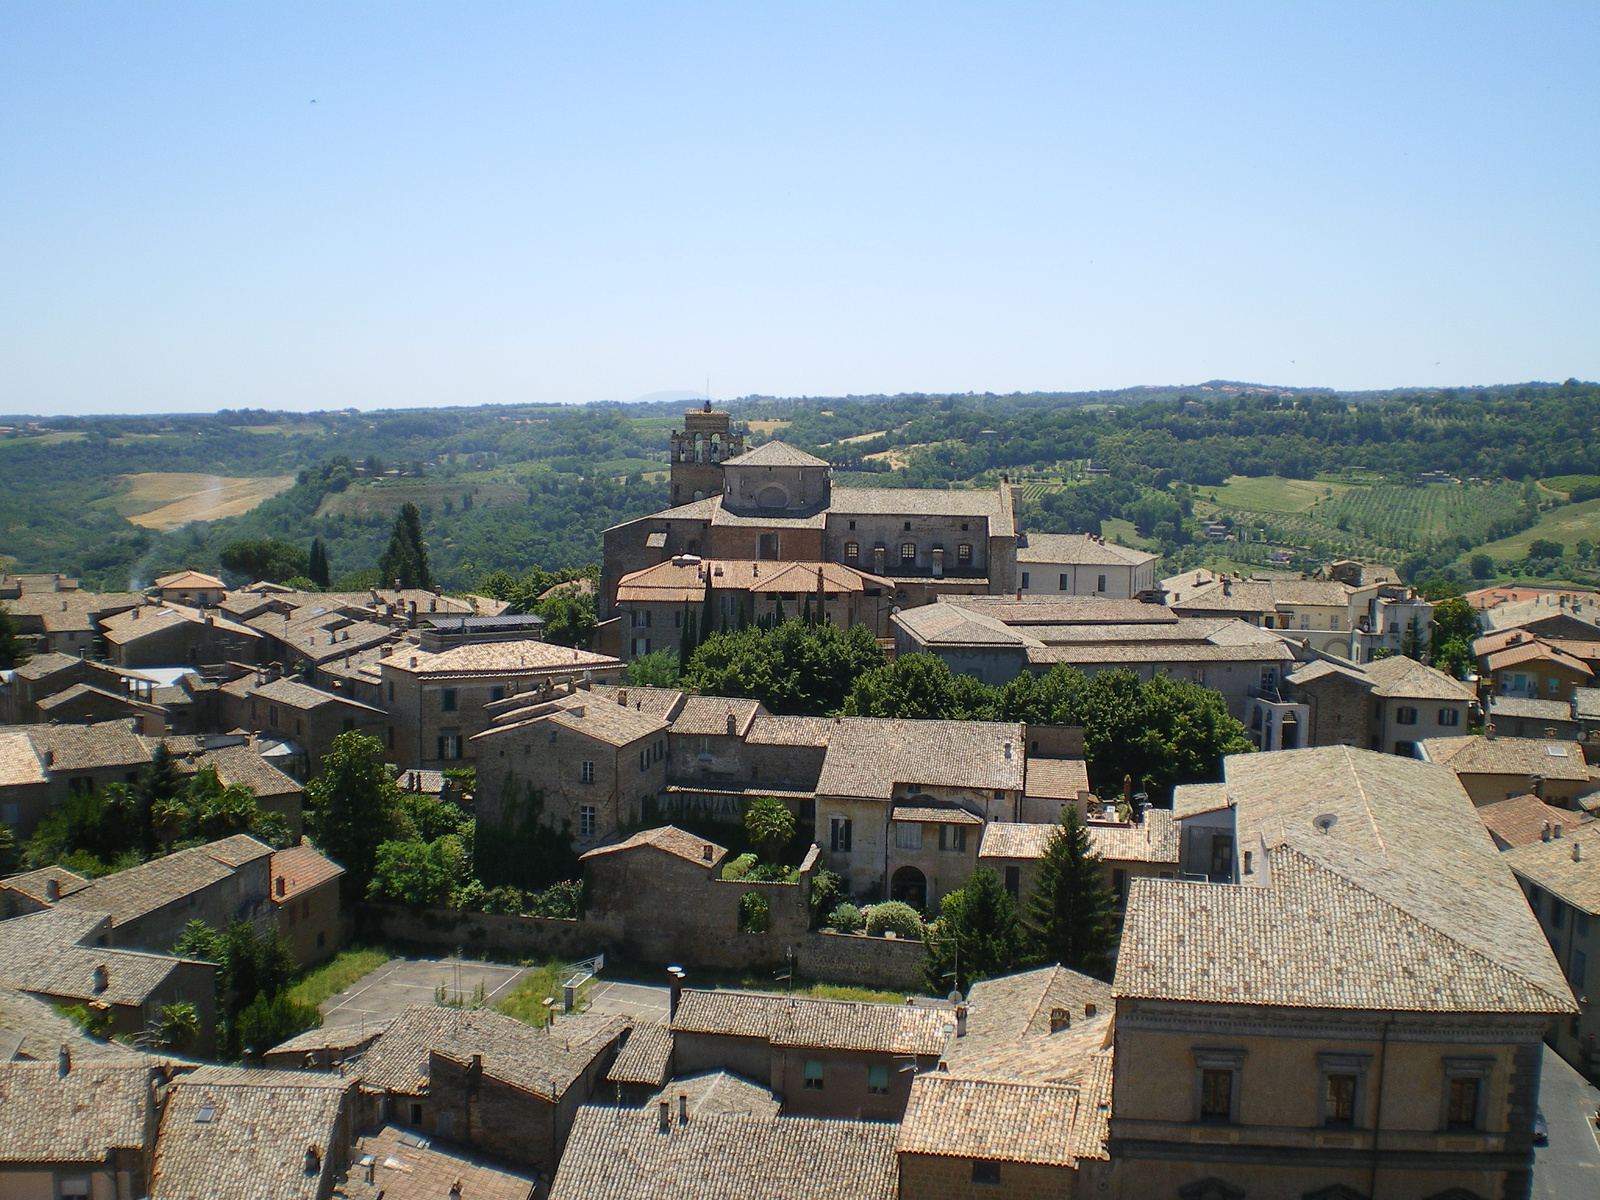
(1569, 1167)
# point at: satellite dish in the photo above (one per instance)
(955, 996)
(1325, 822)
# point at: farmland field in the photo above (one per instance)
(1565, 483)
(768, 427)
(167, 499)
(1272, 494)
(1569, 525)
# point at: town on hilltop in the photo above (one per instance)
(861, 843)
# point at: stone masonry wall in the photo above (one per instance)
(886, 963)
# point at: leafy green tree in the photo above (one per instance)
(920, 686)
(8, 846)
(659, 669)
(14, 649)
(978, 935)
(1544, 548)
(898, 916)
(411, 872)
(353, 806)
(1070, 913)
(569, 618)
(1481, 566)
(428, 818)
(793, 668)
(159, 781)
(1455, 619)
(317, 567)
(769, 824)
(827, 891)
(406, 559)
(1161, 731)
(177, 1027)
(267, 558)
(269, 1020)
(250, 964)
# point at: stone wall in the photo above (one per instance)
(938, 1177)
(887, 963)
(491, 933)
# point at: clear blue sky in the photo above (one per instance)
(491, 203)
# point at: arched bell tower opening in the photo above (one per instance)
(698, 452)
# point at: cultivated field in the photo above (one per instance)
(1273, 494)
(167, 499)
(1569, 525)
(767, 428)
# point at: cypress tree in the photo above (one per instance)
(317, 570)
(708, 609)
(690, 639)
(406, 559)
(1070, 913)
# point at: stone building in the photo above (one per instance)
(174, 635)
(1491, 767)
(478, 1078)
(1082, 564)
(1516, 662)
(436, 702)
(305, 897)
(41, 764)
(1388, 705)
(698, 452)
(64, 620)
(77, 1128)
(1359, 1007)
(191, 588)
(285, 710)
(819, 1058)
(657, 604)
(777, 503)
(1128, 850)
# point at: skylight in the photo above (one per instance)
(206, 1115)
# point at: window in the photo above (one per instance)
(1534, 896)
(1558, 913)
(391, 691)
(497, 692)
(1463, 1112)
(644, 762)
(769, 545)
(1025, 579)
(586, 772)
(953, 838)
(1581, 923)
(272, 715)
(907, 835)
(852, 550)
(450, 745)
(964, 552)
(391, 737)
(73, 1186)
(1014, 882)
(813, 1075)
(299, 727)
(877, 1081)
(641, 647)
(1339, 1100)
(1405, 714)
(447, 700)
(1217, 1085)
(1102, 584)
(908, 552)
(852, 526)
(586, 820)
(1333, 621)
(1449, 716)
(416, 1114)
(1406, 749)
(1216, 1094)
(984, 1171)
(908, 527)
(1555, 684)
(348, 725)
(839, 840)
(1064, 583)
(1578, 969)
(1119, 883)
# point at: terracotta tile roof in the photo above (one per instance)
(188, 579)
(715, 1093)
(20, 765)
(1404, 832)
(868, 756)
(605, 722)
(1552, 866)
(1017, 1006)
(942, 815)
(727, 518)
(1402, 678)
(138, 891)
(1155, 839)
(88, 747)
(1056, 778)
(951, 625)
(79, 692)
(301, 868)
(496, 658)
(775, 454)
(984, 1119)
(675, 841)
(1192, 799)
(126, 627)
(1536, 651)
(33, 884)
(1013, 839)
(98, 1108)
(1064, 610)
(406, 1171)
(768, 730)
(41, 666)
(1530, 710)
(1523, 820)
(357, 1035)
(31, 1029)
(707, 716)
(621, 1155)
(993, 504)
(297, 695)
(1548, 758)
(1081, 549)
(646, 1057)
(823, 1024)
(1312, 939)
(233, 764)
(652, 701)
(255, 1140)
(46, 953)
(1157, 652)
(540, 1062)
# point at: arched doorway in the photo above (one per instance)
(909, 886)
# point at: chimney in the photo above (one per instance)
(102, 979)
(63, 1062)
(313, 1161)
(666, 1117)
(961, 1020)
(1008, 749)
(136, 614)
(1544, 834)
(52, 890)
(1059, 1020)
(622, 697)
(733, 726)
(49, 759)
(1127, 790)
(1488, 732)
(281, 886)
(683, 1108)
(1556, 830)
(706, 852)
(1089, 1010)
(397, 586)
(1577, 851)
(674, 989)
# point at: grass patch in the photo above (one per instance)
(1565, 483)
(1274, 494)
(369, 499)
(1569, 525)
(317, 984)
(839, 991)
(526, 1002)
(1116, 529)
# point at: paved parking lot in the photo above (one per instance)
(629, 1000)
(384, 993)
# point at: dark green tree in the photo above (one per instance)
(406, 559)
(1070, 913)
(352, 807)
(569, 618)
(769, 824)
(1481, 566)
(920, 686)
(270, 559)
(793, 668)
(690, 639)
(317, 570)
(657, 669)
(978, 935)
(159, 782)
(14, 649)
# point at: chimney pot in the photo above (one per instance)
(1059, 1019)
(1557, 830)
(1089, 1010)
(102, 978)
(1544, 834)
(706, 852)
(1577, 851)
(733, 726)
(281, 885)
(622, 697)
(666, 1117)
(683, 1108)
(52, 890)
(961, 1020)
(63, 1061)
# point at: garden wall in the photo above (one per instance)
(875, 962)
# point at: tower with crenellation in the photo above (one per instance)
(698, 451)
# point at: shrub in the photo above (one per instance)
(563, 901)
(846, 918)
(893, 914)
(754, 914)
(827, 890)
(266, 1022)
(739, 867)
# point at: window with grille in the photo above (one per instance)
(1463, 1103)
(908, 552)
(586, 820)
(586, 772)
(1339, 1100)
(1216, 1094)
(852, 549)
(450, 746)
